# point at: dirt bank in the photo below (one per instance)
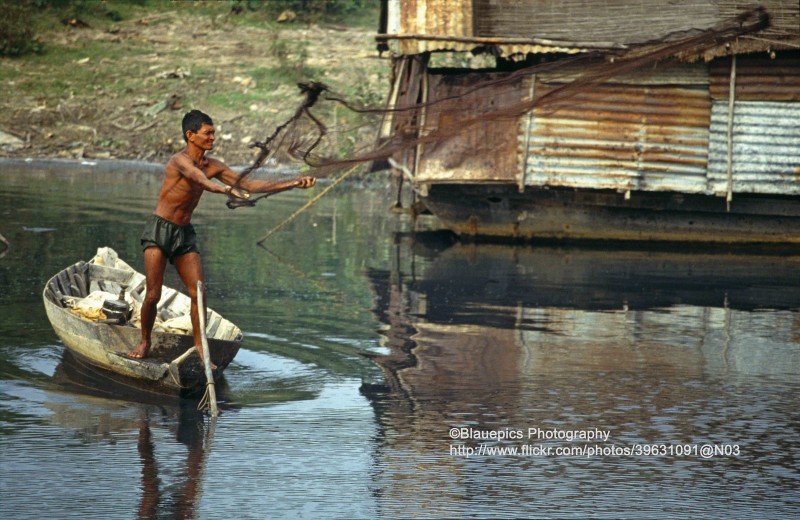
(118, 91)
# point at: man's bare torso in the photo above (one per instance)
(179, 196)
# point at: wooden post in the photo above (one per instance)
(731, 115)
(210, 390)
(532, 98)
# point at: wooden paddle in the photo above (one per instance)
(211, 393)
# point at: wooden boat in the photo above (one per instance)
(173, 366)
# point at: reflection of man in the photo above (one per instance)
(151, 494)
(169, 235)
(190, 433)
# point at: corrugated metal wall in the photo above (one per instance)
(662, 131)
(766, 148)
(623, 137)
(759, 77)
(666, 130)
(450, 17)
(765, 157)
(430, 17)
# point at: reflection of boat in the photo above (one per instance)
(172, 368)
(75, 375)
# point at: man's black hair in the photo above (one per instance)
(194, 120)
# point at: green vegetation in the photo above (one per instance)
(17, 37)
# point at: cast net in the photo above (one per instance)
(316, 144)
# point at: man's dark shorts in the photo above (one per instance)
(172, 239)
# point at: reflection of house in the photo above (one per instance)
(640, 343)
(704, 145)
(473, 318)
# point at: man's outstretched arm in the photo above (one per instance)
(231, 178)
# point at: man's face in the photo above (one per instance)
(203, 138)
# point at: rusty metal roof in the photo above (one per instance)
(516, 27)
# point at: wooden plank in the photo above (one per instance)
(83, 287)
(50, 294)
(63, 282)
(82, 270)
(75, 285)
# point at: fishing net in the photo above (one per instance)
(320, 146)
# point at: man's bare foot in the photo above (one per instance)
(140, 352)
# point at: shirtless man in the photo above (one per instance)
(169, 235)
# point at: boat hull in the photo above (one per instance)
(169, 369)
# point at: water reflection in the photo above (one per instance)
(169, 485)
(520, 310)
(183, 502)
(654, 347)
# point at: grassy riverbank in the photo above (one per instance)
(115, 82)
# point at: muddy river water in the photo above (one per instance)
(389, 370)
